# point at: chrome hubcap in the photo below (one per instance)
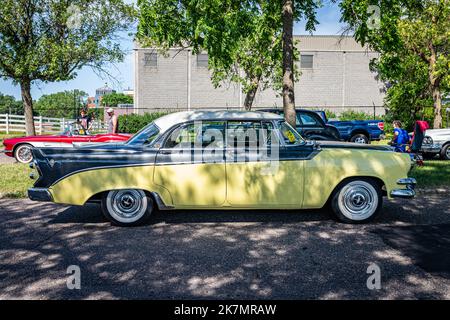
(127, 205)
(360, 140)
(358, 200)
(447, 152)
(24, 154)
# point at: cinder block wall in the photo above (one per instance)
(340, 79)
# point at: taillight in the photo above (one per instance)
(381, 125)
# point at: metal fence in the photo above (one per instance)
(43, 125)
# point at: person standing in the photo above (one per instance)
(85, 121)
(401, 137)
(113, 122)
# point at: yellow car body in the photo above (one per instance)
(301, 180)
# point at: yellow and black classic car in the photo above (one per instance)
(221, 160)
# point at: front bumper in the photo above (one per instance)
(431, 148)
(409, 192)
(40, 194)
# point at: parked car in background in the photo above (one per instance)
(437, 142)
(20, 148)
(311, 125)
(359, 131)
(220, 160)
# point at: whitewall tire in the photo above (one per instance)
(357, 201)
(23, 153)
(127, 207)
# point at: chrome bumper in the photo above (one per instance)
(409, 192)
(39, 194)
(431, 148)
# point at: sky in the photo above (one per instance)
(123, 73)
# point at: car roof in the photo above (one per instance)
(166, 122)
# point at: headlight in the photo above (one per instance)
(427, 140)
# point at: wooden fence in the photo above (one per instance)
(43, 125)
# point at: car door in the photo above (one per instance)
(257, 175)
(312, 125)
(191, 165)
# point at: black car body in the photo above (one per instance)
(311, 126)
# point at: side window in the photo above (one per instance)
(196, 135)
(248, 134)
(309, 120)
(297, 120)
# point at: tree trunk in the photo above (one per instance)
(25, 87)
(437, 99)
(251, 94)
(435, 87)
(288, 62)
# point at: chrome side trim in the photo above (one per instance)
(403, 193)
(407, 181)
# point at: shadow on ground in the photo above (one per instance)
(213, 254)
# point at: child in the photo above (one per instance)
(401, 137)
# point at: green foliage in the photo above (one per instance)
(330, 114)
(350, 115)
(243, 38)
(132, 123)
(413, 39)
(113, 99)
(49, 40)
(65, 104)
(8, 104)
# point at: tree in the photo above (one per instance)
(49, 40)
(419, 28)
(60, 104)
(243, 38)
(114, 99)
(288, 62)
(8, 104)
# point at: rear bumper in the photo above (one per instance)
(40, 194)
(409, 192)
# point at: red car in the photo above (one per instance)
(20, 148)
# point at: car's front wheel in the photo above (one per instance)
(357, 201)
(23, 153)
(128, 207)
(445, 152)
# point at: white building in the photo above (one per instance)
(335, 75)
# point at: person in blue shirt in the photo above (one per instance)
(401, 137)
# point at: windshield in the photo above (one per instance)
(290, 135)
(145, 136)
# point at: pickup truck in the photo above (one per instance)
(311, 125)
(358, 131)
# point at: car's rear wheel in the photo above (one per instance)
(445, 152)
(127, 207)
(23, 153)
(357, 200)
(360, 138)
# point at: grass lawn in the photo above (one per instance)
(15, 180)
(435, 173)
